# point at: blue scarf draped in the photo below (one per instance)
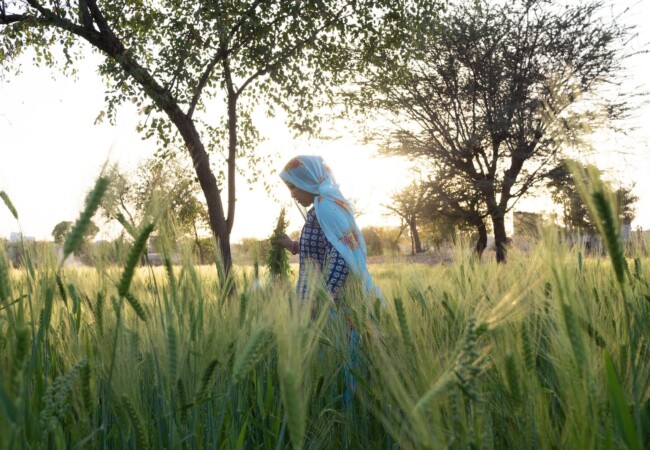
(334, 213)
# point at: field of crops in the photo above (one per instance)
(548, 351)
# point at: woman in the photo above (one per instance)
(330, 238)
(330, 241)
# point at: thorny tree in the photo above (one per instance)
(499, 90)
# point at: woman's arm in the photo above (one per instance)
(336, 272)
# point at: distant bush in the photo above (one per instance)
(374, 244)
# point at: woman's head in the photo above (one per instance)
(307, 177)
(304, 198)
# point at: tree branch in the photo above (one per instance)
(203, 81)
(8, 19)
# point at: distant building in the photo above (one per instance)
(626, 229)
(17, 237)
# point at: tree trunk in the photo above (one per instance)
(500, 238)
(416, 246)
(198, 244)
(482, 238)
(208, 182)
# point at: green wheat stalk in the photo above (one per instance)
(573, 331)
(98, 311)
(527, 345)
(609, 228)
(136, 305)
(403, 322)
(601, 206)
(18, 363)
(208, 374)
(59, 284)
(140, 435)
(172, 353)
(5, 286)
(57, 396)
(10, 206)
(125, 223)
(75, 237)
(243, 301)
(182, 399)
(86, 391)
(512, 377)
(294, 408)
(134, 258)
(247, 358)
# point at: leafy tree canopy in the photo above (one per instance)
(176, 60)
(498, 92)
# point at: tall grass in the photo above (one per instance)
(551, 352)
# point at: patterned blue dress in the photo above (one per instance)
(317, 250)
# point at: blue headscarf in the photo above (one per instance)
(334, 213)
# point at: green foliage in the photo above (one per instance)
(277, 259)
(576, 214)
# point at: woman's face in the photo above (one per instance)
(303, 197)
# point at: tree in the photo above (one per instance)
(172, 187)
(167, 192)
(564, 193)
(575, 213)
(60, 231)
(452, 198)
(625, 202)
(172, 57)
(408, 204)
(496, 94)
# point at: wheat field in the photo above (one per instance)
(547, 351)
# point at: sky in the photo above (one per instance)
(51, 152)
